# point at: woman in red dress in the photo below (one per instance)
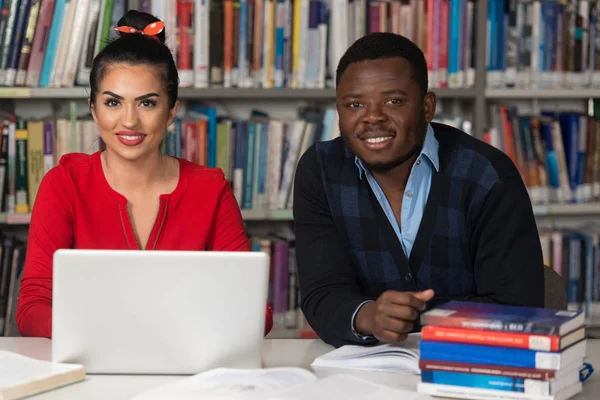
(129, 196)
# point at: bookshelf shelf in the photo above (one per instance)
(214, 93)
(267, 215)
(551, 210)
(542, 94)
(248, 215)
(566, 210)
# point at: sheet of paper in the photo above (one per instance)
(346, 387)
(225, 383)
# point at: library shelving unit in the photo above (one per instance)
(477, 97)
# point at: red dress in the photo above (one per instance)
(75, 207)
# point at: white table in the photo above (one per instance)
(276, 353)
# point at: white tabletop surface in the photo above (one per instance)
(276, 353)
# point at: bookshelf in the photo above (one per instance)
(541, 211)
(472, 101)
(546, 94)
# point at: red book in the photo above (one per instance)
(502, 339)
(185, 15)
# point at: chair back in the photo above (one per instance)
(555, 291)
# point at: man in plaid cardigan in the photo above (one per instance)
(400, 214)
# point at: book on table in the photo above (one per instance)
(22, 376)
(495, 317)
(490, 351)
(401, 357)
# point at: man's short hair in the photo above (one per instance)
(380, 45)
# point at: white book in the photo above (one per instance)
(322, 54)
(293, 140)
(402, 357)
(302, 48)
(22, 376)
(63, 44)
(101, 19)
(171, 28)
(339, 30)
(75, 43)
(462, 392)
(82, 71)
(274, 152)
(284, 383)
(201, 45)
(160, 11)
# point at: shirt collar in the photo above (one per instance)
(429, 150)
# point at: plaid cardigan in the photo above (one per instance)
(460, 235)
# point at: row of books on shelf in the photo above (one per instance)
(574, 254)
(555, 152)
(485, 351)
(12, 258)
(258, 155)
(543, 44)
(235, 43)
(445, 30)
(284, 287)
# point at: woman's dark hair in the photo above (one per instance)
(137, 49)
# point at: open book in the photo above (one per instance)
(285, 383)
(400, 358)
(22, 376)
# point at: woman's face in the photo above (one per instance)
(132, 110)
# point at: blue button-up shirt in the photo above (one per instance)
(415, 193)
(415, 198)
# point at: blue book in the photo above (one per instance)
(498, 317)
(250, 151)
(53, 40)
(502, 356)
(505, 383)
(211, 115)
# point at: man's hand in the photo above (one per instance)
(391, 317)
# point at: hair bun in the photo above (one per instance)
(141, 23)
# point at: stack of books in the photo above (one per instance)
(485, 351)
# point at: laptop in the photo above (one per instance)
(158, 312)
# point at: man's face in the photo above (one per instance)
(382, 112)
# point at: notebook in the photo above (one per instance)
(284, 383)
(22, 376)
(402, 357)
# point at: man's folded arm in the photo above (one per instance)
(328, 283)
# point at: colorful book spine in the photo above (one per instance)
(27, 46)
(53, 40)
(489, 355)
(497, 317)
(17, 42)
(496, 370)
(21, 185)
(491, 338)
(501, 383)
